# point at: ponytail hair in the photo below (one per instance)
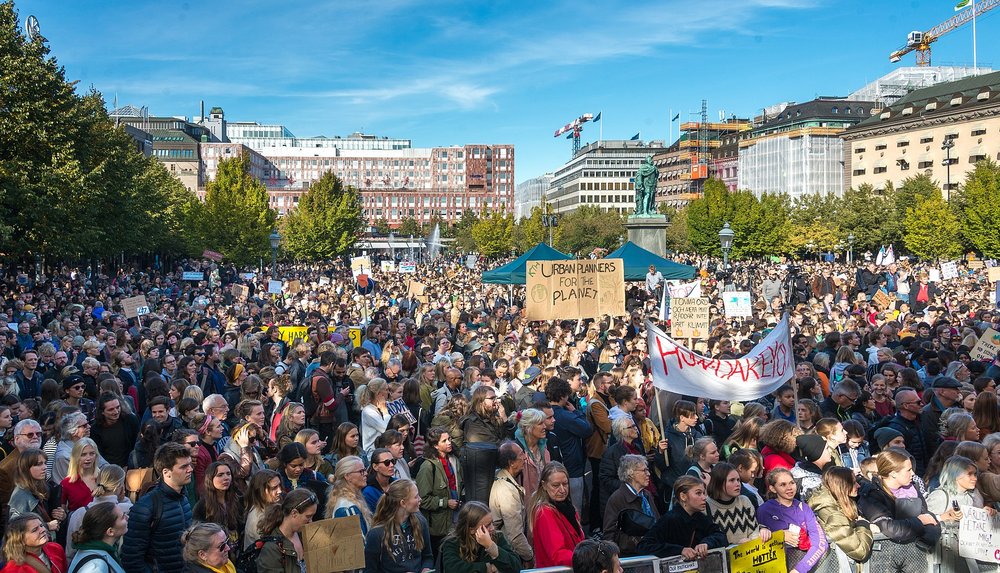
(299, 499)
(97, 520)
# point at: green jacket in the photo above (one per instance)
(853, 538)
(432, 483)
(506, 562)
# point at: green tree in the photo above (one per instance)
(978, 205)
(236, 219)
(587, 228)
(812, 220)
(493, 234)
(463, 232)
(869, 215)
(176, 215)
(408, 226)
(382, 226)
(931, 230)
(677, 232)
(529, 231)
(760, 224)
(326, 222)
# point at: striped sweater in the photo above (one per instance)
(737, 517)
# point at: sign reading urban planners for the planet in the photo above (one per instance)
(575, 289)
(689, 317)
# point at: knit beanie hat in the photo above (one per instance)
(810, 447)
(885, 435)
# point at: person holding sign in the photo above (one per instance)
(956, 494)
(685, 530)
(805, 543)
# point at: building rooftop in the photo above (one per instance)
(834, 109)
(967, 88)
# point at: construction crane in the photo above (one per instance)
(921, 41)
(576, 126)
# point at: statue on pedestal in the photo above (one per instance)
(645, 189)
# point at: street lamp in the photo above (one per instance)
(850, 253)
(946, 147)
(38, 267)
(726, 240)
(275, 242)
(550, 221)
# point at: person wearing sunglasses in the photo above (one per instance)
(282, 551)
(206, 549)
(27, 435)
(381, 473)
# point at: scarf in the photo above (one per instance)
(449, 475)
(96, 545)
(565, 507)
(227, 568)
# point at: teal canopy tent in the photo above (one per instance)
(638, 259)
(513, 272)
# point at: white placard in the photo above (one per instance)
(737, 304)
(274, 287)
(193, 276)
(407, 267)
(949, 270)
(979, 535)
(934, 275)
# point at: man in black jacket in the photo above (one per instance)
(907, 422)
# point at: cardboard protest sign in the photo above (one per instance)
(135, 306)
(881, 299)
(360, 265)
(575, 289)
(294, 286)
(994, 274)
(737, 304)
(761, 371)
(415, 289)
(334, 545)
(949, 270)
(241, 291)
(979, 535)
(273, 287)
(290, 333)
(755, 556)
(988, 346)
(689, 317)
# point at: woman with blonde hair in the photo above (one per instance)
(374, 412)
(475, 545)
(110, 488)
(206, 549)
(892, 503)
(81, 477)
(293, 419)
(428, 383)
(399, 538)
(29, 549)
(314, 447)
(450, 418)
(345, 498)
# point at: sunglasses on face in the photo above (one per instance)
(387, 462)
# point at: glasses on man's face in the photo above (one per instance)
(31, 434)
(386, 463)
(200, 354)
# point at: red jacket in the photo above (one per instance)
(52, 550)
(554, 538)
(775, 459)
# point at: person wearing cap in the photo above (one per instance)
(945, 394)
(73, 389)
(527, 393)
(813, 455)
(889, 438)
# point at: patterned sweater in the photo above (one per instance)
(737, 517)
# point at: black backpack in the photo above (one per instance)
(247, 561)
(307, 393)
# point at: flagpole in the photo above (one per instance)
(670, 126)
(975, 64)
(600, 138)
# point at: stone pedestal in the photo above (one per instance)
(649, 233)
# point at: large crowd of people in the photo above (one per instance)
(467, 438)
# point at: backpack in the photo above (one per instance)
(247, 561)
(307, 391)
(88, 559)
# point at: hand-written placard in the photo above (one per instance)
(881, 299)
(689, 317)
(737, 304)
(949, 270)
(241, 291)
(273, 287)
(388, 266)
(988, 346)
(575, 289)
(131, 306)
(415, 289)
(407, 267)
(755, 556)
(290, 333)
(193, 276)
(994, 274)
(979, 535)
(360, 265)
(293, 286)
(334, 545)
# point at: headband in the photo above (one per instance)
(205, 424)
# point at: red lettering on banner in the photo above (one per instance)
(771, 362)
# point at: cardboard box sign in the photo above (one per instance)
(334, 545)
(132, 306)
(587, 288)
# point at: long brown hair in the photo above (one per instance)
(299, 499)
(541, 496)
(222, 507)
(465, 529)
(840, 482)
(17, 527)
(385, 514)
(22, 474)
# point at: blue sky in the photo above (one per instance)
(447, 72)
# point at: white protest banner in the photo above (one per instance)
(737, 304)
(680, 290)
(193, 276)
(677, 369)
(987, 347)
(274, 287)
(360, 265)
(949, 270)
(559, 290)
(933, 275)
(407, 267)
(388, 266)
(471, 261)
(689, 317)
(979, 535)
(323, 281)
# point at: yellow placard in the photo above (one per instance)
(755, 556)
(560, 290)
(356, 336)
(290, 333)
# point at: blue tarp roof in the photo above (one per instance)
(638, 259)
(513, 272)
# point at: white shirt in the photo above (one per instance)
(653, 280)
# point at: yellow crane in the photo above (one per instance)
(921, 41)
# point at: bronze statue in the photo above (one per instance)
(645, 189)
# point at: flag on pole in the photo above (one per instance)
(963, 4)
(890, 257)
(880, 257)
(635, 137)
(569, 136)
(597, 117)
(676, 117)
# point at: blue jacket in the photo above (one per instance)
(162, 545)
(570, 431)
